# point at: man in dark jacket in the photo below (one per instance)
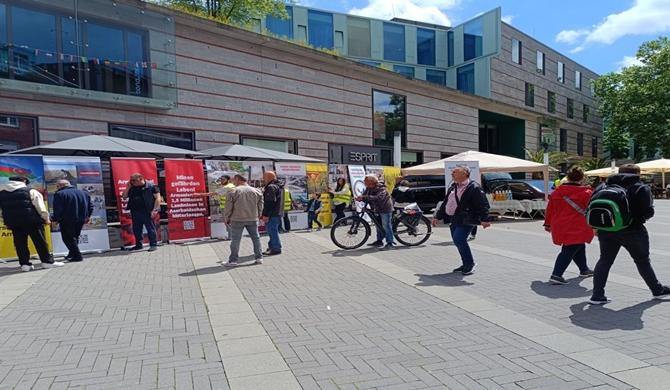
(380, 201)
(273, 208)
(144, 203)
(464, 207)
(25, 214)
(634, 238)
(72, 209)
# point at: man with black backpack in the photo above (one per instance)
(618, 210)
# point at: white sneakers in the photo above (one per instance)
(28, 268)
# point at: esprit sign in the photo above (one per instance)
(361, 155)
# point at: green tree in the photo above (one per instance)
(635, 102)
(240, 12)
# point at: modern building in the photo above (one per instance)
(132, 69)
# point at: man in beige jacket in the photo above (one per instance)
(244, 206)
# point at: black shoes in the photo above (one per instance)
(599, 300)
(376, 243)
(271, 252)
(664, 294)
(553, 279)
(466, 270)
(458, 269)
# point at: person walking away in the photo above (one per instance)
(380, 201)
(72, 209)
(341, 198)
(402, 194)
(313, 209)
(244, 206)
(464, 207)
(273, 206)
(565, 221)
(25, 214)
(633, 237)
(144, 202)
(288, 206)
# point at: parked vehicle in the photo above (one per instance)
(428, 190)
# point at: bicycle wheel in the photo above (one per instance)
(350, 232)
(412, 230)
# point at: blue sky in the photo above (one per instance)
(602, 35)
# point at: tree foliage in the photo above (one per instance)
(240, 12)
(555, 158)
(635, 102)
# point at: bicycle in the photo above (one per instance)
(410, 227)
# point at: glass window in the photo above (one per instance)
(281, 27)
(371, 63)
(592, 87)
(578, 79)
(465, 78)
(425, 46)
(436, 76)
(105, 55)
(71, 44)
(530, 95)
(389, 116)
(551, 101)
(359, 37)
(286, 146)
(410, 159)
(450, 48)
(339, 39)
(394, 42)
(175, 138)
(571, 108)
(564, 140)
(585, 113)
(139, 76)
(302, 33)
(540, 62)
(580, 144)
(34, 56)
(320, 29)
(406, 71)
(561, 72)
(594, 147)
(516, 51)
(4, 52)
(17, 132)
(473, 37)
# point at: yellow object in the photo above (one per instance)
(288, 201)
(317, 181)
(222, 197)
(390, 174)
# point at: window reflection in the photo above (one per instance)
(425, 46)
(473, 37)
(388, 117)
(321, 29)
(281, 27)
(436, 76)
(4, 54)
(394, 42)
(359, 37)
(465, 78)
(174, 138)
(34, 46)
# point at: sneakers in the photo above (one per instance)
(230, 264)
(376, 243)
(386, 247)
(599, 300)
(469, 270)
(586, 274)
(53, 265)
(27, 268)
(553, 279)
(136, 248)
(459, 269)
(271, 252)
(153, 248)
(259, 261)
(471, 238)
(664, 294)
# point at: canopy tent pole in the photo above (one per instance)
(545, 175)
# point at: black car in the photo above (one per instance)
(429, 190)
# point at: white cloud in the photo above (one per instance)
(428, 11)
(645, 17)
(628, 61)
(507, 19)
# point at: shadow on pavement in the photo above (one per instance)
(454, 279)
(553, 291)
(446, 243)
(366, 251)
(597, 317)
(245, 261)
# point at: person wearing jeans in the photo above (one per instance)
(273, 206)
(634, 238)
(244, 206)
(144, 203)
(465, 206)
(380, 201)
(565, 220)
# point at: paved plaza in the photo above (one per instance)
(320, 318)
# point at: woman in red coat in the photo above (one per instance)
(566, 221)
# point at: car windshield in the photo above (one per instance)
(496, 176)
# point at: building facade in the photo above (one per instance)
(135, 70)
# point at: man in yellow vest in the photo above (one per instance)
(226, 185)
(288, 206)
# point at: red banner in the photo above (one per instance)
(122, 168)
(187, 214)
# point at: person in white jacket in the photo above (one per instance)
(25, 214)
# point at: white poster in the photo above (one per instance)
(449, 166)
(376, 170)
(84, 173)
(356, 177)
(294, 178)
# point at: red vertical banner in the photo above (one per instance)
(122, 168)
(187, 213)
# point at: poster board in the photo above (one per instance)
(187, 212)
(317, 181)
(294, 177)
(356, 178)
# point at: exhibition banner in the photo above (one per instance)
(187, 212)
(294, 177)
(356, 177)
(84, 173)
(252, 170)
(317, 181)
(336, 171)
(122, 168)
(32, 168)
(390, 175)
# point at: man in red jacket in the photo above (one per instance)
(567, 224)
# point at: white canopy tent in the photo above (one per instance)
(487, 163)
(602, 172)
(656, 166)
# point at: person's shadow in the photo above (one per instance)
(598, 317)
(572, 290)
(454, 279)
